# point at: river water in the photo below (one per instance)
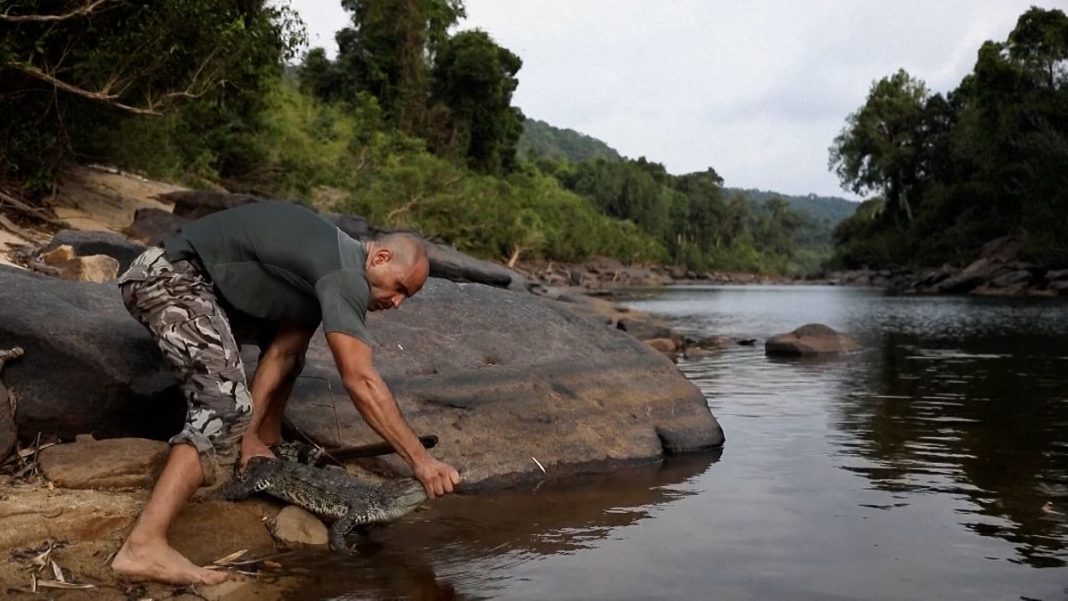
(931, 465)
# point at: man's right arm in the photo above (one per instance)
(376, 405)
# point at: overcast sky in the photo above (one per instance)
(757, 89)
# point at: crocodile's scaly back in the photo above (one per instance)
(332, 494)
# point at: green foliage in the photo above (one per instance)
(474, 79)
(829, 210)
(71, 79)
(454, 91)
(386, 52)
(985, 161)
(391, 179)
(542, 141)
(698, 223)
(880, 147)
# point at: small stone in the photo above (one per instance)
(664, 345)
(297, 527)
(93, 268)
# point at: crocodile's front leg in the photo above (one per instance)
(340, 528)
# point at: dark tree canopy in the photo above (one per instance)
(474, 79)
(66, 65)
(986, 160)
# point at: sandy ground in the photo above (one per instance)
(88, 527)
(94, 198)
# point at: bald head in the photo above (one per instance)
(407, 249)
(397, 267)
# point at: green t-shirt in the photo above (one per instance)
(280, 261)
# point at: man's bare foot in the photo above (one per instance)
(160, 562)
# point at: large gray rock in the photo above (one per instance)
(192, 204)
(153, 226)
(445, 261)
(448, 263)
(982, 270)
(88, 368)
(8, 436)
(810, 339)
(502, 378)
(644, 328)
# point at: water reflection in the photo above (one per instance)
(961, 397)
(981, 418)
(465, 547)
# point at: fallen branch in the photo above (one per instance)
(78, 12)
(403, 208)
(112, 99)
(8, 225)
(28, 210)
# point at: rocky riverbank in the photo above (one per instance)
(521, 383)
(997, 271)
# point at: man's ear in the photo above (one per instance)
(382, 255)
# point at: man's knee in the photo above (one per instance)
(295, 370)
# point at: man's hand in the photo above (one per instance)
(438, 478)
(252, 446)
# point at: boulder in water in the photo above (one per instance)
(810, 339)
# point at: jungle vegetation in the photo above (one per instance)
(412, 125)
(951, 172)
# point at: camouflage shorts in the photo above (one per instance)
(177, 303)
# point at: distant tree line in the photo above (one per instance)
(955, 171)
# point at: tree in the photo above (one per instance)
(389, 51)
(473, 82)
(1039, 43)
(880, 146)
(68, 67)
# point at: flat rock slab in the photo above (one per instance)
(112, 464)
(809, 340)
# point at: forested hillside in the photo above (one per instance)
(411, 125)
(830, 210)
(541, 140)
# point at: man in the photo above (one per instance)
(287, 269)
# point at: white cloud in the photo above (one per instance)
(756, 90)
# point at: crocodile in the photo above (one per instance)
(330, 493)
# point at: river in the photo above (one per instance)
(932, 464)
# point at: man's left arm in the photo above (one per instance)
(271, 385)
(375, 403)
